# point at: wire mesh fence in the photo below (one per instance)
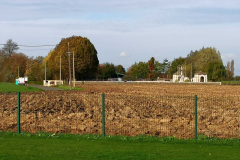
(219, 116)
(125, 114)
(8, 112)
(62, 113)
(150, 115)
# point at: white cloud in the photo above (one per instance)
(229, 56)
(142, 28)
(157, 55)
(123, 54)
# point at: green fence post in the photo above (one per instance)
(18, 110)
(196, 134)
(103, 115)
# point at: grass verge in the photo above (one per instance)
(36, 82)
(67, 146)
(230, 83)
(10, 87)
(67, 88)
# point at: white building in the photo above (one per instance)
(22, 80)
(52, 82)
(178, 76)
(200, 77)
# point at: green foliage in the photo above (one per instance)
(138, 71)
(216, 71)
(206, 60)
(120, 69)
(36, 69)
(85, 58)
(237, 78)
(230, 82)
(148, 70)
(201, 59)
(165, 65)
(107, 70)
(67, 88)
(230, 70)
(175, 63)
(36, 82)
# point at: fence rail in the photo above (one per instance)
(121, 114)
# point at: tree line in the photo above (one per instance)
(87, 67)
(14, 65)
(206, 60)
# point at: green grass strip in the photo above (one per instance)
(230, 82)
(10, 87)
(67, 146)
(67, 88)
(36, 82)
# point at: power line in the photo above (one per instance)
(35, 49)
(32, 46)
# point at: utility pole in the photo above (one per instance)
(185, 71)
(191, 72)
(73, 71)
(60, 69)
(45, 72)
(70, 79)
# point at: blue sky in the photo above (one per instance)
(126, 31)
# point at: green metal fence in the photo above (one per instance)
(121, 114)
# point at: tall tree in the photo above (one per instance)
(10, 47)
(6, 72)
(203, 59)
(232, 68)
(13, 66)
(216, 71)
(35, 68)
(108, 71)
(120, 69)
(165, 65)
(151, 67)
(138, 71)
(85, 57)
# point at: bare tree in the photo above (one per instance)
(232, 68)
(228, 69)
(10, 47)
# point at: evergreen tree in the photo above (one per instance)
(120, 69)
(85, 58)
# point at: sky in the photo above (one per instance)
(125, 31)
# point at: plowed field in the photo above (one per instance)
(130, 108)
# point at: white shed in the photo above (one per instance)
(200, 77)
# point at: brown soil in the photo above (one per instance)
(131, 109)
